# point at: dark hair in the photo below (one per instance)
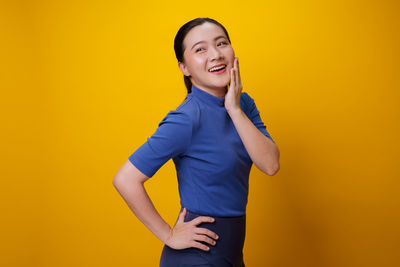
(178, 42)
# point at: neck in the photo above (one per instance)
(215, 91)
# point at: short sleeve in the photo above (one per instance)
(171, 139)
(254, 115)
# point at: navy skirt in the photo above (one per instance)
(227, 252)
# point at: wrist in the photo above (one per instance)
(234, 112)
(167, 235)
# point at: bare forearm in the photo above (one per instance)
(141, 205)
(262, 151)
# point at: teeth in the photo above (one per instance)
(217, 68)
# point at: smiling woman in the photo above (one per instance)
(213, 137)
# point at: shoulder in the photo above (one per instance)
(246, 102)
(246, 98)
(188, 110)
(185, 118)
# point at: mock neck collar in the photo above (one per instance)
(207, 97)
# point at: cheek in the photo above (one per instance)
(230, 53)
(199, 62)
(195, 64)
(230, 56)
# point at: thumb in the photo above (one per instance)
(182, 215)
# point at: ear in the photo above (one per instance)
(183, 69)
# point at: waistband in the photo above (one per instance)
(192, 214)
(229, 245)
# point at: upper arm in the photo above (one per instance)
(171, 139)
(254, 115)
(128, 171)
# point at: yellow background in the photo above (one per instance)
(84, 83)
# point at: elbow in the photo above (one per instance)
(275, 166)
(272, 170)
(119, 181)
(116, 181)
(269, 167)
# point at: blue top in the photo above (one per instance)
(211, 161)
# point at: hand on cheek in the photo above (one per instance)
(232, 98)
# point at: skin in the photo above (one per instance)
(200, 58)
(129, 181)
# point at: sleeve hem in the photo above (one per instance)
(133, 160)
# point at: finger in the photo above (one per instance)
(232, 78)
(182, 215)
(200, 246)
(205, 231)
(205, 239)
(230, 82)
(201, 219)
(238, 72)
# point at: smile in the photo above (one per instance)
(218, 69)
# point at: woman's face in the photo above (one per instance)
(206, 46)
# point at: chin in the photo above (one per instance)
(221, 84)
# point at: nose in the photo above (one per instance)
(215, 53)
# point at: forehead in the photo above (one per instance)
(204, 32)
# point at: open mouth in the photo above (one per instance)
(218, 69)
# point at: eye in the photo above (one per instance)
(223, 42)
(198, 49)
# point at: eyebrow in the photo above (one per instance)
(219, 36)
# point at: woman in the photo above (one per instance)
(213, 137)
